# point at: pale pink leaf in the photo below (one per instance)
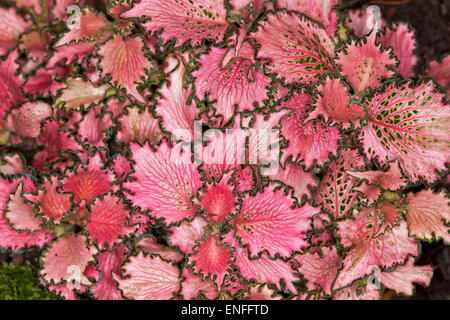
(148, 278)
(440, 71)
(427, 214)
(177, 114)
(359, 290)
(67, 259)
(193, 287)
(149, 245)
(403, 41)
(10, 84)
(262, 292)
(392, 179)
(402, 278)
(362, 21)
(320, 269)
(35, 44)
(25, 121)
(300, 51)
(94, 128)
(12, 164)
(410, 123)
(138, 126)
(187, 233)
(80, 93)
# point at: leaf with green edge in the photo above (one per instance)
(177, 112)
(185, 235)
(10, 84)
(360, 290)
(19, 214)
(107, 222)
(263, 269)
(149, 245)
(183, 20)
(138, 126)
(148, 278)
(334, 104)
(66, 259)
(368, 248)
(402, 278)
(403, 41)
(366, 63)
(193, 287)
(51, 203)
(268, 222)
(262, 292)
(11, 26)
(409, 123)
(299, 49)
(80, 93)
(211, 259)
(319, 10)
(125, 61)
(319, 268)
(428, 215)
(236, 82)
(440, 71)
(11, 164)
(164, 182)
(310, 142)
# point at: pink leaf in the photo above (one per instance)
(370, 192)
(53, 205)
(177, 114)
(10, 84)
(183, 20)
(236, 82)
(80, 93)
(26, 120)
(402, 278)
(148, 278)
(219, 200)
(334, 104)
(91, 28)
(411, 124)
(427, 215)
(116, 9)
(440, 71)
(359, 290)
(262, 292)
(19, 214)
(164, 184)
(36, 44)
(187, 233)
(67, 259)
(361, 21)
(368, 249)
(263, 269)
(392, 179)
(243, 178)
(12, 164)
(109, 263)
(211, 259)
(125, 61)
(138, 126)
(44, 82)
(365, 63)
(11, 26)
(300, 51)
(193, 286)
(319, 269)
(402, 39)
(89, 182)
(319, 10)
(108, 221)
(93, 128)
(268, 222)
(313, 141)
(149, 245)
(65, 55)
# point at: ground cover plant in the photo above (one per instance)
(216, 149)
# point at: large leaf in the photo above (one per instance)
(232, 83)
(440, 71)
(148, 278)
(163, 183)
(299, 49)
(193, 286)
(267, 221)
(410, 123)
(428, 215)
(183, 20)
(138, 126)
(11, 26)
(10, 84)
(187, 233)
(125, 61)
(369, 249)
